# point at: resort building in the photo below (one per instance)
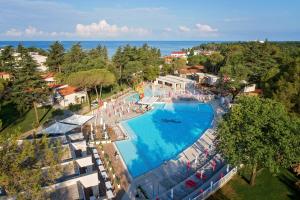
(5, 75)
(203, 52)
(191, 71)
(49, 78)
(209, 79)
(168, 59)
(66, 95)
(40, 60)
(178, 54)
(175, 82)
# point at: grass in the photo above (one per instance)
(268, 186)
(12, 120)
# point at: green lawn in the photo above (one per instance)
(12, 120)
(267, 187)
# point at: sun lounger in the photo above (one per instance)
(190, 183)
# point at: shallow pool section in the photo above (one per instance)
(161, 134)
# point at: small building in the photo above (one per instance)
(203, 52)
(178, 54)
(168, 59)
(191, 71)
(5, 75)
(175, 82)
(66, 95)
(49, 78)
(208, 79)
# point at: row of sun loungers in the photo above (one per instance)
(102, 172)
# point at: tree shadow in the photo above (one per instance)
(289, 180)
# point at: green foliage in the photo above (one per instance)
(131, 61)
(7, 59)
(197, 60)
(259, 132)
(74, 107)
(178, 64)
(28, 87)
(151, 73)
(56, 57)
(272, 66)
(21, 171)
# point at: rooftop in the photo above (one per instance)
(68, 90)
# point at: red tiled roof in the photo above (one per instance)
(178, 52)
(198, 67)
(53, 85)
(48, 75)
(4, 73)
(68, 90)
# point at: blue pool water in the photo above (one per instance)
(161, 134)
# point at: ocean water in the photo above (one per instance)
(166, 47)
(162, 133)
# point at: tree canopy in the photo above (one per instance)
(260, 133)
(21, 173)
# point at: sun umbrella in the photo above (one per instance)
(104, 127)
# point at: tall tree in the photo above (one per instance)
(28, 89)
(7, 59)
(56, 57)
(73, 59)
(259, 133)
(91, 79)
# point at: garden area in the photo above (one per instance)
(14, 122)
(268, 186)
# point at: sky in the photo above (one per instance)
(209, 20)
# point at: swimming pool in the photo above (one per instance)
(162, 133)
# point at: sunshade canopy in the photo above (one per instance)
(59, 128)
(77, 119)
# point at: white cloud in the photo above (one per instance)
(13, 33)
(204, 28)
(101, 29)
(32, 31)
(184, 29)
(104, 29)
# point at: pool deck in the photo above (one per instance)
(159, 180)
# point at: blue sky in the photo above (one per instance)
(149, 20)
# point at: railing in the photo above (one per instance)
(217, 185)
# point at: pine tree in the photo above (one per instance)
(56, 57)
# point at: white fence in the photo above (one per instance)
(217, 185)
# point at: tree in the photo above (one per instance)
(91, 79)
(21, 173)
(151, 73)
(28, 88)
(197, 60)
(215, 61)
(73, 59)
(7, 59)
(56, 57)
(101, 77)
(259, 133)
(178, 64)
(233, 78)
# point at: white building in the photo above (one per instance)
(175, 82)
(66, 95)
(41, 60)
(178, 54)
